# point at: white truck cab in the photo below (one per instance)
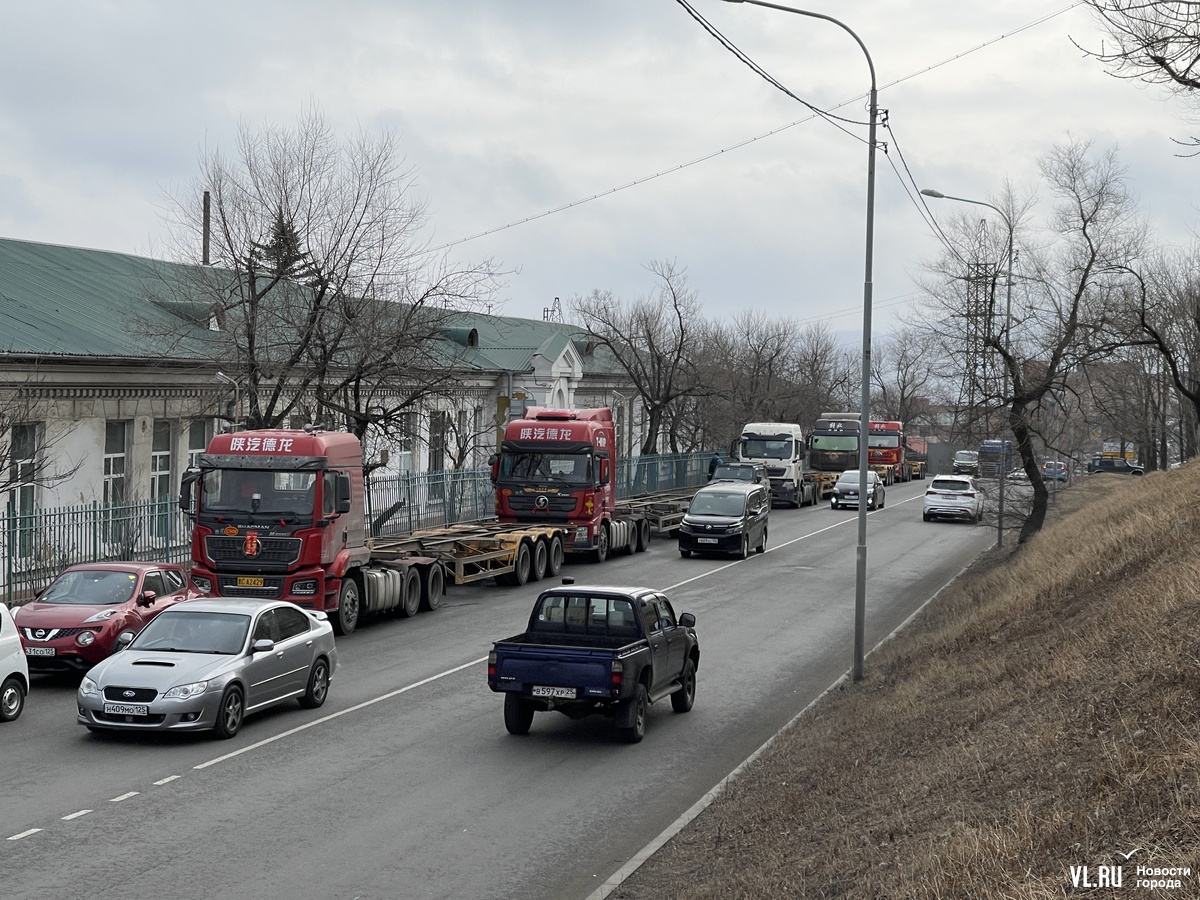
(779, 446)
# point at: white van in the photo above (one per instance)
(14, 670)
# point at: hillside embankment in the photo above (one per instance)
(1033, 733)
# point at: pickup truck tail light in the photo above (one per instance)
(492, 664)
(616, 676)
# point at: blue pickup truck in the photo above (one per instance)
(590, 650)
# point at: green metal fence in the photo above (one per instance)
(37, 545)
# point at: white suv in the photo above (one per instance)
(14, 670)
(953, 497)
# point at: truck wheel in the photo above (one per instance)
(345, 618)
(518, 713)
(410, 594)
(797, 497)
(433, 587)
(524, 564)
(682, 699)
(554, 559)
(600, 554)
(641, 702)
(318, 685)
(643, 536)
(541, 559)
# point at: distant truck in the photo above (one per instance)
(833, 449)
(781, 449)
(995, 458)
(597, 651)
(916, 451)
(887, 451)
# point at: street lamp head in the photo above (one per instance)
(930, 192)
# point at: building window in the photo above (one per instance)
(439, 421)
(160, 477)
(116, 461)
(406, 440)
(23, 470)
(197, 441)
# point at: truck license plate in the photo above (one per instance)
(249, 581)
(126, 709)
(706, 540)
(39, 651)
(540, 691)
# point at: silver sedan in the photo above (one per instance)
(206, 664)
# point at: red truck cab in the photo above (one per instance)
(274, 516)
(556, 466)
(885, 447)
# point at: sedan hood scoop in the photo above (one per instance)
(170, 664)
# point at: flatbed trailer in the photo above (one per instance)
(662, 511)
(510, 554)
(824, 482)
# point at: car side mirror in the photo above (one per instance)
(687, 620)
(262, 645)
(146, 598)
(124, 639)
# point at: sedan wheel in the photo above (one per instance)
(231, 713)
(318, 685)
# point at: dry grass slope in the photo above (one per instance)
(1041, 714)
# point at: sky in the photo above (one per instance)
(576, 142)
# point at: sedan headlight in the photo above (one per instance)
(184, 691)
(103, 616)
(87, 687)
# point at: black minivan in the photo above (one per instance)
(726, 517)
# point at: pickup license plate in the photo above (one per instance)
(126, 709)
(249, 581)
(568, 693)
(706, 540)
(39, 651)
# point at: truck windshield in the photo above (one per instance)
(835, 441)
(258, 490)
(884, 441)
(766, 448)
(568, 468)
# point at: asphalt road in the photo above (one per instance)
(406, 785)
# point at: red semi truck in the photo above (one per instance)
(886, 451)
(558, 466)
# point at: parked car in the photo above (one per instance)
(206, 663)
(1115, 464)
(845, 490)
(726, 517)
(741, 471)
(1054, 471)
(966, 462)
(1018, 475)
(74, 622)
(953, 497)
(14, 671)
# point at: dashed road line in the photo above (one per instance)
(167, 780)
(24, 834)
(76, 815)
(124, 797)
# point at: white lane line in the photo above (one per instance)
(24, 834)
(124, 797)
(342, 712)
(76, 815)
(168, 779)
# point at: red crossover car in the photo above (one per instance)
(72, 624)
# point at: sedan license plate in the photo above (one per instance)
(126, 709)
(540, 691)
(39, 651)
(706, 540)
(249, 581)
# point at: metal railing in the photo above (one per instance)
(38, 544)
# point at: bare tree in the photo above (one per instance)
(320, 287)
(652, 339)
(903, 377)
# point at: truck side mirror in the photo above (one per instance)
(190, 477)
(343, 492)
(603, 470)
(494, 465)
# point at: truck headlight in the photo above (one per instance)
(202, 584)
(305, 588)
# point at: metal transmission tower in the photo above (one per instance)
(981, 382)
(553, 313)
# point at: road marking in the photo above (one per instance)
(342, 712)
(76, 815)
(168, 779)
(24, 834)
(124, 797)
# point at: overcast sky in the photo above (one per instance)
(511, 109)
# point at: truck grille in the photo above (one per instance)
(278, 551)
(556, 504)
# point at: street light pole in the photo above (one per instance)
(929, 192)
(860, 578)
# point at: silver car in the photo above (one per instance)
(207, 664)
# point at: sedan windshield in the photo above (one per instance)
(194, 632)
(854, 477)
(91, 587)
